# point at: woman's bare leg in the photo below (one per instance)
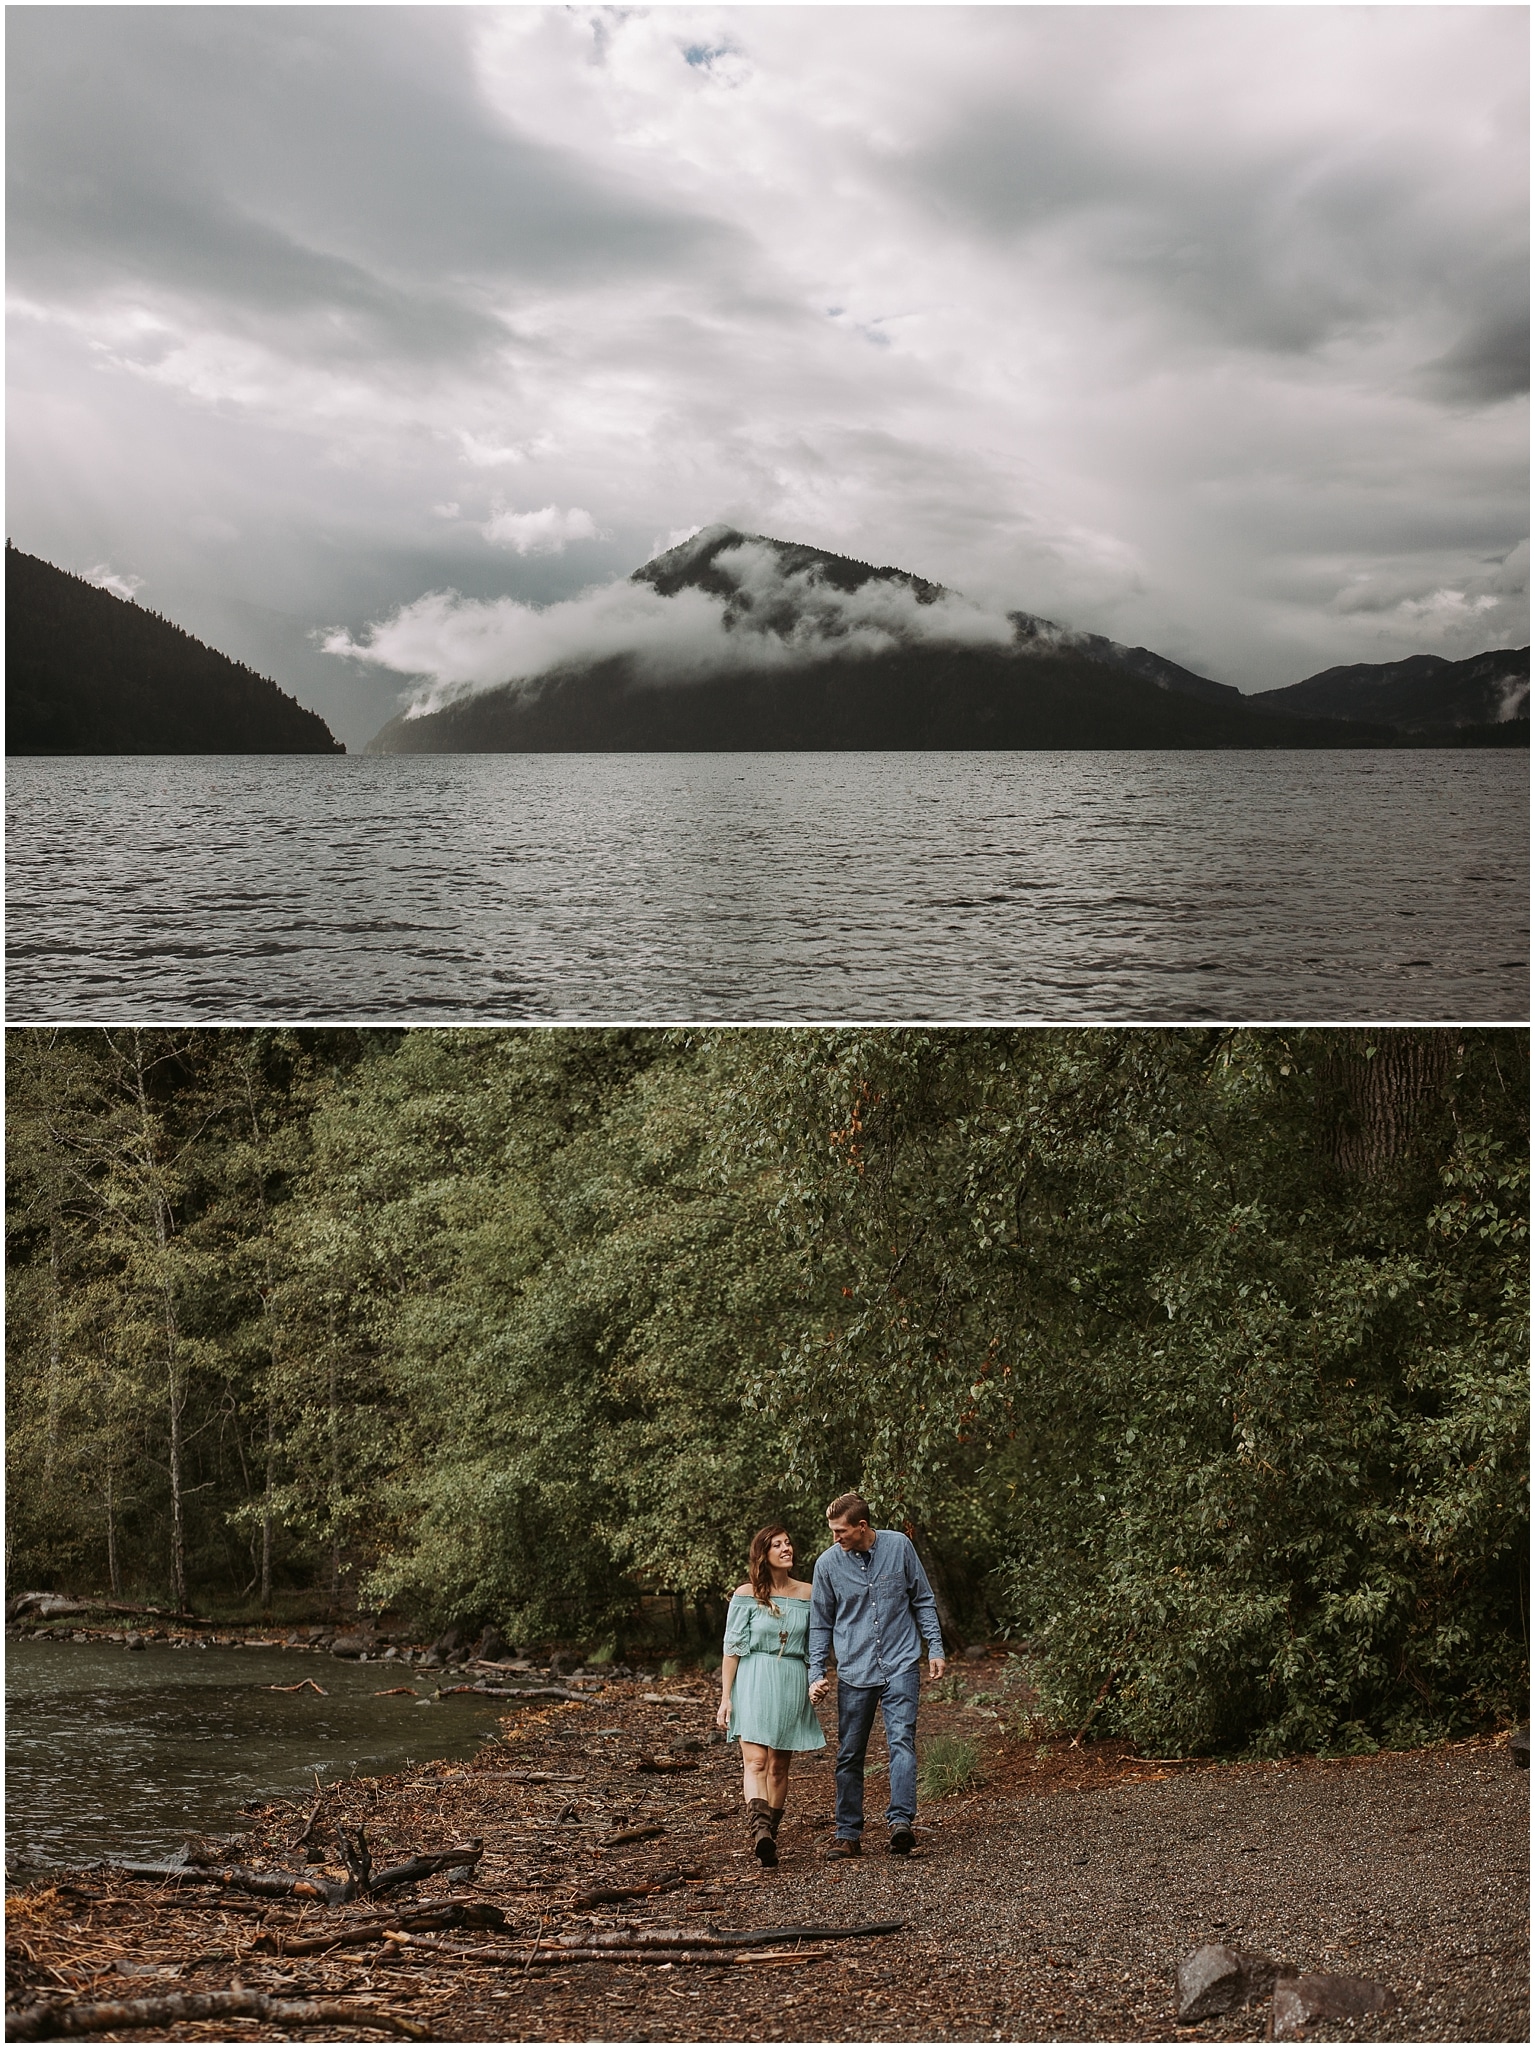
(757, 1762)
(776, 1775)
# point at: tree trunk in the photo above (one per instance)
(266, 1512)
(271, 1345)
(938, 1579)
(1381, 1086)
(112, 1569)
(55, 1339)
(175, 1384)
(335, 1484)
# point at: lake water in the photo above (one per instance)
(661, 887)
(112, 1752)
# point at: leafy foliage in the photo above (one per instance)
(1197, 1361)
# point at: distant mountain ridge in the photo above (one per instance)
(90, 673)
(1046, 688)
(1423, 693)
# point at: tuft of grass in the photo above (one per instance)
(948, 1764)
(671, 1667)
(950, 1688)
(603, 1654)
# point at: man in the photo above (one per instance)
(870, 1599)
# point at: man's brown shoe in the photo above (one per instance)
(902, 1841)
(843, 1847)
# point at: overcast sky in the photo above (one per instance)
(1202, 327)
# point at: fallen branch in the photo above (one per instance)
(513, 1692)
(667, 1763)
(555, 1957)
(720, 1959)
(615, 1894)
(386, 1692)
(48, 2022)
(464, 1857)
(419, 1919)
(264, 1884)
(301, 1686)
(646, 1834)
(319, 1800)
(671, 1938)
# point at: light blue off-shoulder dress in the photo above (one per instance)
(770, 1700)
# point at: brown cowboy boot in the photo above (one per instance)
(759, 1826)
(776, 1814)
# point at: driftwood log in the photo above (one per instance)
(363, 1882)
(615, 1894)
(48, 2021)
(473, 1913)
(635, 1938)
(514, 1692)
(264, 1884)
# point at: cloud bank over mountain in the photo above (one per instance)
(1201, 327)
(772, 617)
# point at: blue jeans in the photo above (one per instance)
(855, 1723)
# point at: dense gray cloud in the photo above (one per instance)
(1205, 328)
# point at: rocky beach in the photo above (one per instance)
(599, 1870)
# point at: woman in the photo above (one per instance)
(764, 1690)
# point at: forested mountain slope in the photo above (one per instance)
(90, 673)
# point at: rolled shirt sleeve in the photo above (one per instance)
(923, 1606)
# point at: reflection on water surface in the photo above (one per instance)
(111, 1752)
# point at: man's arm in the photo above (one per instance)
(924, 1609)
(823, 1612)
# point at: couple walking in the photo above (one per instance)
(870, 1602)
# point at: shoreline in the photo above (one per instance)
(1052, 1902)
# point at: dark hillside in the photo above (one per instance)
(910, 699)
(1423, 694)
(90, 673)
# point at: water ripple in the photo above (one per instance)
(668, 887)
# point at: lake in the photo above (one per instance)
(1388, 885)
(112, 1752)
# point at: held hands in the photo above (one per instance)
(819, 1689)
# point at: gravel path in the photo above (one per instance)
(1053, 1903)
(1064, 1916)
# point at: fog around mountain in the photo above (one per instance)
(719, 601)
(731, 641)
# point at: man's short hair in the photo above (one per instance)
(849, 1507)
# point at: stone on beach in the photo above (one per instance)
(1217, 1979)
(1300, 2000)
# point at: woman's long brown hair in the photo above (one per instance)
(758, 1568)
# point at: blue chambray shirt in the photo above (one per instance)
(875, 1607)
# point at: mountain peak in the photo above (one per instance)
(695, 564)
